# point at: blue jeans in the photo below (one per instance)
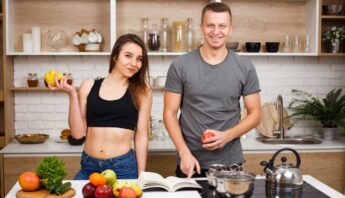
(125, 166)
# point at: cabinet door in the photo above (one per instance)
(14, 166)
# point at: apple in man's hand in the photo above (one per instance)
(206, 136)
(104, 191)
(110, 176)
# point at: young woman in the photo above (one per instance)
(112, 111)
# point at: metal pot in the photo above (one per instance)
(283, 178)
(212, 170)
(235, 183)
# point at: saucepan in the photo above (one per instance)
(235, 182)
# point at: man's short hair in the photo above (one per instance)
(216, 7)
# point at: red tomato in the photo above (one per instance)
(29, 181)
(206, 136)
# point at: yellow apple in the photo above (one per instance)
(49, 77)
(137, 190)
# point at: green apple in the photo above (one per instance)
(110, 176)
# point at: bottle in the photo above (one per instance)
(190, 36)
(164, 34)
(32, 80)
(151, 128)
(179, 39)
(145, 29)
(202, 39)
(307, 43)
(153, 41)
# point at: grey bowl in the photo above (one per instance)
(232, 45)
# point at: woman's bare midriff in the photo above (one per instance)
(105, 142)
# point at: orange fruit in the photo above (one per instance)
(29, 181)
(97, 179)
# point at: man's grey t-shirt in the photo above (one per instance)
(210, 100)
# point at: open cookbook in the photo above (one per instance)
(150, 181)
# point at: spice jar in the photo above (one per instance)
(32, 80)
(153, 41)
(69, 78)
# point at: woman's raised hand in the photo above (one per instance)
(61, 85)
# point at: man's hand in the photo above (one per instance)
(188, 164)
(218, 141)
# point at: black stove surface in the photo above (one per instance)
(259, 191)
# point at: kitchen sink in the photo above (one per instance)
(289, 140)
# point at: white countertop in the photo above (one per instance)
(78, 185)
(249, 145)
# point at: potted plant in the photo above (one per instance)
(334, 35)
(329, 111)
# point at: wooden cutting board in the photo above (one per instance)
(44, 194)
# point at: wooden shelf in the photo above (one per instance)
(333, 17)
(2, 141)
(60, 54)
(1, 95)
(242, 53)
(47, 89)
(331, 54)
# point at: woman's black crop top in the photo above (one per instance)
(119, 113)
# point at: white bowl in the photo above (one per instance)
(160, 81)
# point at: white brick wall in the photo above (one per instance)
(47, 112)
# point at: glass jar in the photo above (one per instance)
(32, 80)
(153, 41)
(164, 34)
(145, 21)
(69, 78)
(179, 36)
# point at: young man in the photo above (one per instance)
(206, 85)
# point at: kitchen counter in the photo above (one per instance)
(78, 185)
(249, 145)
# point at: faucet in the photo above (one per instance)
(280, 109)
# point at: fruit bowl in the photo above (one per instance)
(34, 138)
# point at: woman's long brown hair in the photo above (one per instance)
(138, 83)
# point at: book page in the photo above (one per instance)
(176, 183)
(153, 181)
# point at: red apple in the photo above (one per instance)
(206, 136)
(127, 192)
(89, 190)
(104, 191)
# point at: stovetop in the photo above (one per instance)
(259, 191)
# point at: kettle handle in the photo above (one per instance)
(298, 163)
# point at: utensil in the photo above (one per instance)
(235, 182)
(284, 176)
(213, 169)
(34, 138)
